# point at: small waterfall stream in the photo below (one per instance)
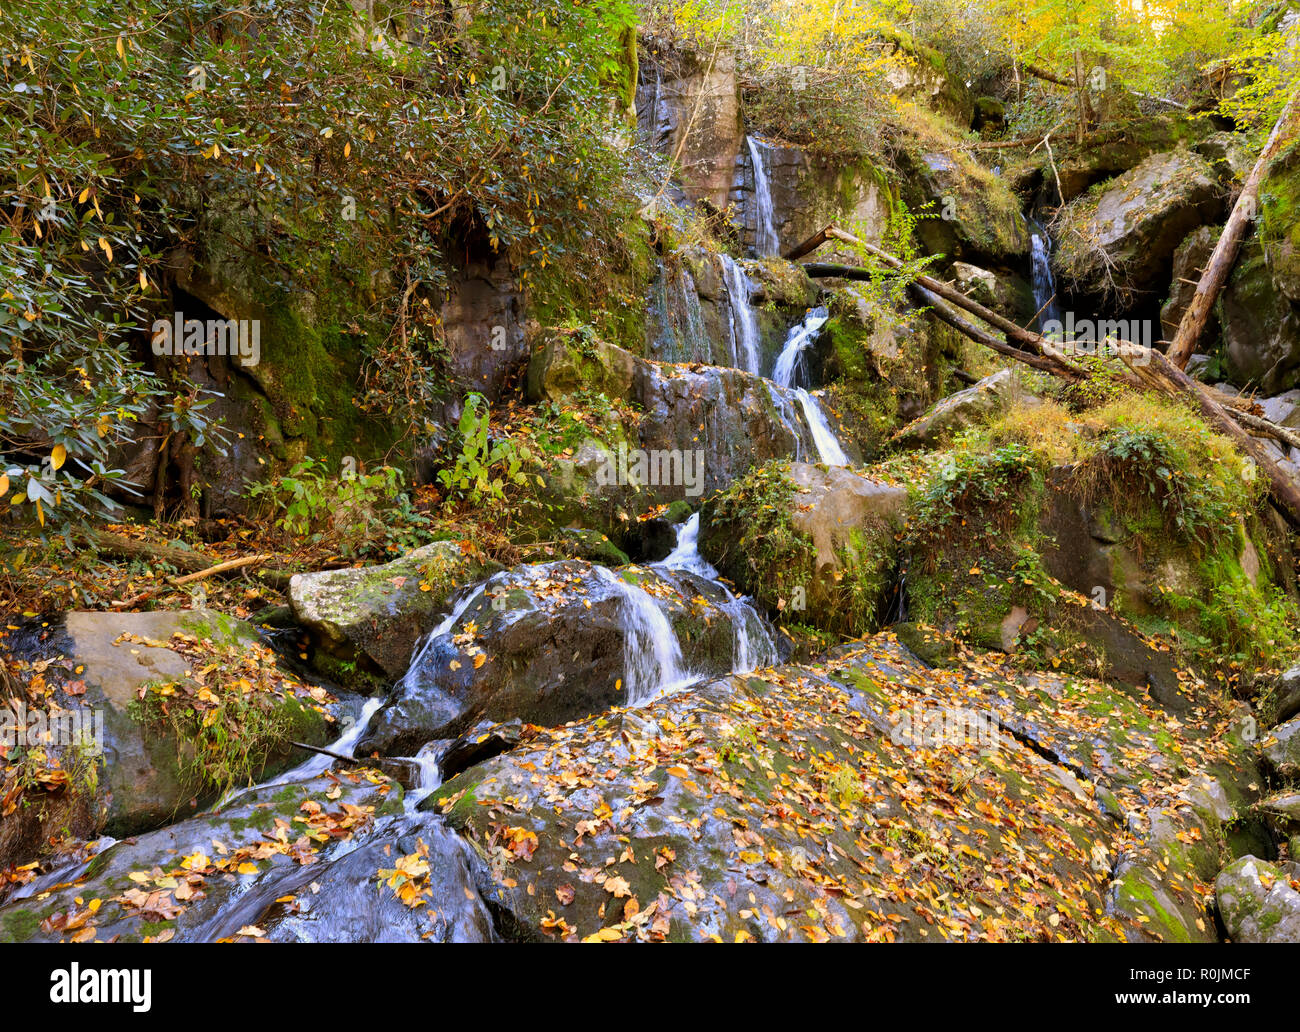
(754, 648)
(766, 242)
(652, 653)
(789, 366)
(1045, 302)
(744, 320)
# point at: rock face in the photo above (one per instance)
(1003, 291)
(809, 192)
(100, 664)
(1258, 901)
(554, 642)
(377, 613)
(976, 404)
(1119, 240)
(696, 315)
(1261, 325)
(700, 428)
(812, 543)
(688, 108)
(768, 807)
(482, 318)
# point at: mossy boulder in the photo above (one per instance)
(812, 543)
(1118, 240)
(1257, 901)
(1280, 750)
(123, 672)
(1261, 325)
(372, 616)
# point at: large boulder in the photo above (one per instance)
(838, 800)
(1258, 900)
(816, 544)
(1119, 240)
(975, 216)
(557, 641)
(139, 684)
(373, 615)
(1281, 750)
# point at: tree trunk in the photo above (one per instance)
(1224, 256)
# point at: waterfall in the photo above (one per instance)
(797, 341)
(744, 320)
(679, 316)
(686, 556)
(1044, 285)
(789, 418)
(430, 777)
(766, 242)
(829, 450)
(754, 648)
(652, 654)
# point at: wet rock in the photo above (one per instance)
(1257, 901)
(481, 742)
(554, 642)
(1121, 242)
(684, 803)
(376, 613)
(98, 666)
(1281, 750)
(209, 876)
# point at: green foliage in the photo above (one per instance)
(483, 467)
(980, 488)
(354, 511)
(332, 145)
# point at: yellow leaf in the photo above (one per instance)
(58, 456)
(4, 486)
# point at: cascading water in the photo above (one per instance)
(754, 647)
(789, 364)
(744, 320)
(686, 555)
(828, 445)
(652, 654)
(1044, 284)
(766, 242)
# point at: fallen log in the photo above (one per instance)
(1148, 368)
(1224, 256)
